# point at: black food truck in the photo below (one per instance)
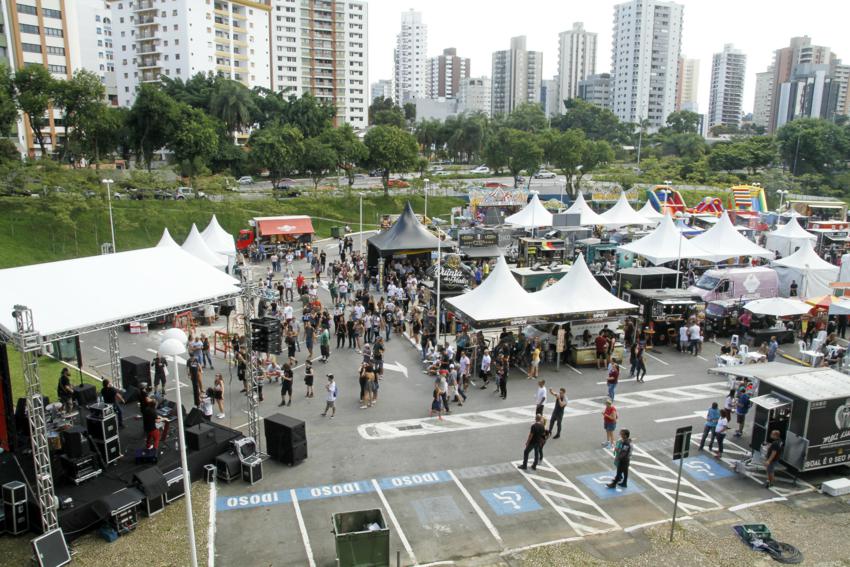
(663, 310)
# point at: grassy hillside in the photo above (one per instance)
(67, 226)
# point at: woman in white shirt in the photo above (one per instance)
(729, 402)
(720, 431)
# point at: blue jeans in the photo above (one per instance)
(205, 357)
(119, 413)
(611, 389)
(388, 329)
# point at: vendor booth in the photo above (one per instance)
(406, 237)
(533, 215)
(535, 279)
(531, 251)
(492, 205)
(478, 244)
(788, 238)
(812, 273)
(810, 408)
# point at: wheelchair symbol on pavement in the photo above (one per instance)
(509, 500)
(700, 467)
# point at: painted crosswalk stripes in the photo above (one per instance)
(574, 506)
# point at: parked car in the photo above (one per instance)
(442, 173)
(163, 194)
(245, 180)
(398, 184)
(544, 174)
(481, 169)
(188, 193)
(376, 172)
(436, 168)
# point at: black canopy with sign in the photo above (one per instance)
(406, 236)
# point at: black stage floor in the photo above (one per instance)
(83, 515)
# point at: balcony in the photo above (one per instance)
(149, 63)
(150, 77)
(145, 21)
(144, 6)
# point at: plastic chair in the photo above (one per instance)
(743, 350)
(735, 340)
(718, 360)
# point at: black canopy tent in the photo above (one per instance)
(407, 236)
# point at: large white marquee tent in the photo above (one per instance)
(533, 215)
(787, 238)
(622, 214)
(723, 241)
(196, 246)
(812, 273)
(665, 244)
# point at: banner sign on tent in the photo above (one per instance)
(453, 274)
(498, 197)
(612, 193)
(478, 239)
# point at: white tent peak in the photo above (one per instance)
(665, 244)
(578, 291)
(649, 213)
(589, 217)
(792, 229)
(723, 241)
(167, 240)
(533, 215)
(806, 258)
(622, 214)
(218, 239)
(196, 246)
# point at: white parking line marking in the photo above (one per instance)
(95, 347)
(756, 503)
(694, 415)
(211, 529)
(477, 509)
(656, 359)
(393, 519)
(544, 544)
(573, 368)
(304, 536)
(655, 523)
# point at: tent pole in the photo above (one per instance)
(679, 259)
(439, 278)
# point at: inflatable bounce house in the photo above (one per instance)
(709, 206)
(665, 199)
(748, 198)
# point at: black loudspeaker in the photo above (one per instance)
(194, 417)
(104, 428)
(85, 394)
(151, 482)
(72, 441)
(200, 436)
(135, 370)
(15, 507)
(225, 310)
(109, 450)
(174, 479)
(15, 492)
(286, 439)
(131, 394)
(51, 549)
(228, 467)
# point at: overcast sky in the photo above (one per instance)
(477, 28)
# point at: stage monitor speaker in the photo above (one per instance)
(14, 492)
(174, 480)
(109, 450)
(72, 441)
(200, 436)
(225, 310)
(85, 394)
(194, 417)
(135, 370)
(283, 434)
(252, 470)
(104, 428)
(51, 550)
(228, 467)
(151, 482)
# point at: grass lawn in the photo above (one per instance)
(49, 370)
(44, 230)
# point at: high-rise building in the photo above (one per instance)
(180, 39)
(726, 101)
(576, 61)
(91, 42)
(410, 76)
(596, 89)
(516, 78)
(644, 60)
(474, 95)
(811, 92)
(687, 85)
(321, 47)
(445, 72)
(800, 50)
(381, 89)
(761, 105)
(841, 73)
(549, 100)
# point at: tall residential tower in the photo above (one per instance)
(576, 61)
(725, 105)
(410, 76)
(516, 78)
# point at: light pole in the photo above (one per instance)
(533, 194)
(361, 222)
(425, 187)
(174, 343)
(781, 193)
(109, 183)
(439, 279)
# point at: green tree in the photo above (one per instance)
(688, 145)
(384, 112)
(197, 91)
(495, 151)
(194, 139)
(233, 104)
(308, 115)
(269, 105)
(596, 122)
(809, 145)
(683, 122)
(574, 155)
(81, 99)
(278, 149)
(348, 148)
(390, 149)
(34, 88)
(528, 116)
(8, 110)
(727, 157)
(522, 150)
(317, 160)
(101, 132)
(409, 111)
(427, 133)
(151, 122)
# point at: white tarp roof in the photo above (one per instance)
(499, 297)
(589, 217)
(578, 292)
(219, 240)
(533, 215)
(665, 244)
(648, 212)
(812, 273)
(807, 259)
(166, 239)
(788, 237)
(196, 246)
(723, 241)
(622, 214)
(99, 290)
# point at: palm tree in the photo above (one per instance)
(233, 104)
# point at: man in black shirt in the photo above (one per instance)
(195, 375)
(149, 419)
(160, 370)
(622, 458)
(535, 441)
(65, 390)
(774, 452)
(113, 397)
(378, 356)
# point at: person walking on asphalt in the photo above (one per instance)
(609, 422)
(711, 418)
(774, 452)
(558, 412)
(535, 441)
(720, 431)
(540, 398)
(330, 400)
(613, 378)
(601, 343)
(742, 407)
(503, 372)
(622, 458)
(640, 374)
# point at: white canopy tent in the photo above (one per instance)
(787, 238)
(812, 273)
(166, 240)
(840, 307)
(622, 214)
(109, 290)
(778, 307)
(533, 215)
(219, 240)
(665, 244)
(578, 292)
(588, 217)
(723, 241)
(196, 246)
(648, 212)
(500, 298)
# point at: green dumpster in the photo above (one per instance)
(336, 231)
(362, 539)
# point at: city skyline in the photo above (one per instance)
(700, 42)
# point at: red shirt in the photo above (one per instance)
(601, 343)
(299, 281)
(608, 414)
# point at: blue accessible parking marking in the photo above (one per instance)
(702, 468)
(508, 500)
(597, 484)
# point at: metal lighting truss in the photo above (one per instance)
(250, 290)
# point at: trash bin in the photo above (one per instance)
(362, 539)
(336, 232)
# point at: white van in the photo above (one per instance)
(737, 283)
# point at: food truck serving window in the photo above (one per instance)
(707, 282)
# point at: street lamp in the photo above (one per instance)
(174, 343)
(532, 193)
(109, 183)
(781, 193)
(439, 279)
(361, 222)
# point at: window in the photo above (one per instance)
(24, 9)
(54, 32)
(26, 28)
(48, 13)
(31, 47)
(57, 69)
(53, 50)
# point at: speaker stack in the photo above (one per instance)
(102, 425)
(152, 484)
(265, 335)
(200, 437)
(134, 371)
(286, 439)
(15, 507)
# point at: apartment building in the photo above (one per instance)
(687, 85)
(596, 89)
(410, 76)
(761, 104)
(516, 78)
(576, 61)
(381, 89)
(726, 100)
(474, 95)
(445, 73)
(645, 59)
